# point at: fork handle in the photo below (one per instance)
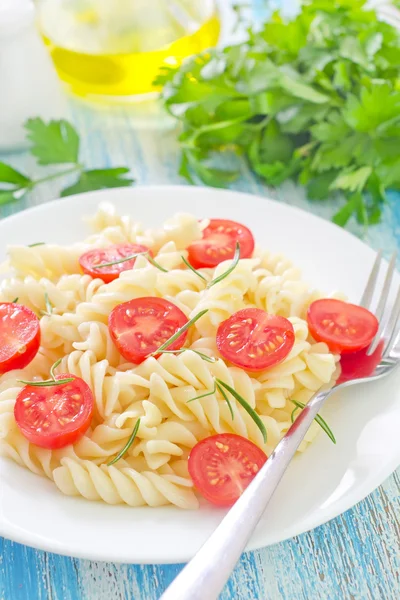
(206, 574)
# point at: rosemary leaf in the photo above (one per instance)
(127, 445)
(178, 333)
(119, 261)
(321, 422)
(204, 395)
(131, 257)
(235, 261)
(47, 383)
(55, 367)
(205, 357)
(296, 408)
(246, 407)
(36, 244)
(225, 396)
(155, 263)
(193, 269)
(15, 300)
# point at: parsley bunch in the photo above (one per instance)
(56, 143)
(316, 99)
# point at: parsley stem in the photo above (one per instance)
(77, 167)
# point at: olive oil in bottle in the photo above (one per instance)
(115, 48)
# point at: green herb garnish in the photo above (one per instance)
(205, 357)
(49, 382)
(225, 397)
(195, 271)
(321, 422)
(204, 395)
(127, 445)
(178, 333)
(218, 387)
(131, 257)
(236, 258)
(15, 300)
(246, 406)
(49, 309)
(36, 244)
(298, 99)
(56, 143)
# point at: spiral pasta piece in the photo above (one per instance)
(171, 402)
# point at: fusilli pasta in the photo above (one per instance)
(162, 392)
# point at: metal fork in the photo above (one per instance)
(205, 575)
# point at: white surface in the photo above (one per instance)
(28, 81)
(319, 485)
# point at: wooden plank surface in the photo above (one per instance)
(354, 557)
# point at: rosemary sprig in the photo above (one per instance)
(204, 395)
(36, 244)
(223, 393)
(296, 408)
(178, 333)
(49, 308)
(54, 367)
(195, 271)
(48, 382)
(131, 257)
(15, 300)
(246, 407)
(155, 263)
(127, 445)
(235, 261)
(225, 397)
(321, 422)
(205, 357)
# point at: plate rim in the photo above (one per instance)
(348, 501)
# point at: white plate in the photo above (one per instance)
(319, 485)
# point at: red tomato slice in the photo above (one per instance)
(342, 326)
(139, 327)
(219, 243)
(19, 336)
(254, 340)
(99, 256)
(223, 465)
(53, 417)
(357, 365)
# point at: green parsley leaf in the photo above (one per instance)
(98, 179)
(54, 142)
(10, 175)
(314, 98)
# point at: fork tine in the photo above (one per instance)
(370, 287)
(387, 329)
(386, 287)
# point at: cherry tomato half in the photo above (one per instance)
(19, 336)
(140, 326)
(219, 243)
(357, 365)
(53, 417)
(254, 340)
(223, 465)
(98, 256)
(342, 326)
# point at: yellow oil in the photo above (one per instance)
(128, 73)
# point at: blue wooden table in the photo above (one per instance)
(354, 557)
